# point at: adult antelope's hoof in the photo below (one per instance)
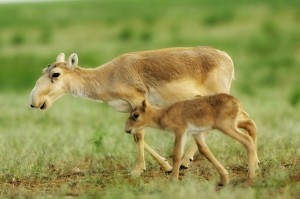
(257, 163)
(185, 163)
(166, 167)
(137, 172)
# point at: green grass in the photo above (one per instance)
(83, 151)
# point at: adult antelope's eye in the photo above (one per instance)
(55, 75)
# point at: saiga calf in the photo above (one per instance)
(221, 111)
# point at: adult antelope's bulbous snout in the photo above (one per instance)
(41, 106)
(36, 101)
(31, 99)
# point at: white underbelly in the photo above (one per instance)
(120, 105)
(193, 129)
(172, 92)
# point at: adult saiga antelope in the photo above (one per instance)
(163, 77)
(195, 116)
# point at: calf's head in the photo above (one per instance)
(54, 82)
(139, 118)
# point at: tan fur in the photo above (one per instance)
(220, 111)
(163, 76)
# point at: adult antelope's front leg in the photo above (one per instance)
(140, 166)
(161, 160)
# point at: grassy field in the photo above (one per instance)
(79, 149)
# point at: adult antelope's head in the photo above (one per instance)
(54, 82)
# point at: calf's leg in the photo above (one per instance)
(203, 148)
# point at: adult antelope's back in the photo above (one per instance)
(162, 76)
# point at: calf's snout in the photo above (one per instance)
(128, 131)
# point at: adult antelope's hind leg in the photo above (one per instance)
(140, 166)
(203, 148)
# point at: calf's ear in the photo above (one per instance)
(73, 60)
(144, 105)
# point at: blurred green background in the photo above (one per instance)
(263, 37)
(40, 149)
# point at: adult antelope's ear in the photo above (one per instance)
(60, 57)
(73, 60)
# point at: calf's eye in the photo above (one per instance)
(135, 115)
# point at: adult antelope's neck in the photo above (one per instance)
(89, 83)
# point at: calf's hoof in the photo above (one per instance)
(183, 167)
